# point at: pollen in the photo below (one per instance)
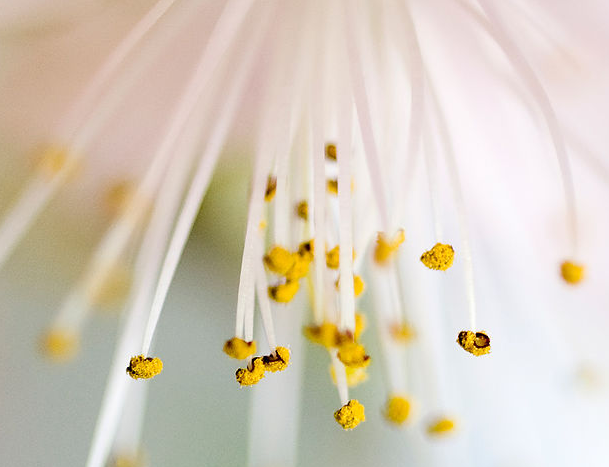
(239, 349)
(478, 343)
(271, 188)
(397, 410)
(358, 285)
(307, 249)
(60, 345)
(141, 367)
(571, 272)
(277, 361)
(252, 374)
(402, 333)
(353, 355)
(355, 376)
(386, 248)
(440, 257)
(332, 186)
(360, 325)
(331, 151)
(332, 257)
(302, 210)
(118, 196)
(441, 426)
(284, 293)
(300, 268)
(326, 334)
(350, 415)
(279, 260)
(54, 160)
(127, 461)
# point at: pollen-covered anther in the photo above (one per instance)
(360, 325)
(307, 250)
(300, 268)
(397, 410)
(279, 260)
(239, 348)
(60, 345)
(284, 293)
(332, 257)
(353, 355)
(278, 360)
(386, 248)
(332, 186)
(402, 333)
(440, 257)
(331, 151)
(572, 273)
(350, 415)
(252, 374)
(54, 160)
(355, 376)
(118, 196)
(326, 334)
(441, 427)
(478, 343)
(358, 285)
(141, 367)
(302, 210)
(127, 461)
(271, 188)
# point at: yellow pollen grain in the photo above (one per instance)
(402, 333)
(239, 348)
(118, 196)
(326, 334)
(271, 188)
(332, 186)
(60, 345)
(350, 415)
(386, 248)
(277, 361)
(353, 355)
(439, 258)
(252, 374)
(331, 151)
(284, 293)
(141, 367)
(302, 210)
(360, 325)
(477, 344)
(441, 426)
(355, 376)
(571, 272)
(397, 410)
(279, 260)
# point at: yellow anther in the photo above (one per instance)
(271, 188)
(252, 374)
(386, 248)
(440, 257)
(284, 293)
(302, 210)
(332, 257)
(60, 345)
(441, 426)
(397, 410)
(331, 151)
(54, 160)
(114, 289)
(571, 272)
(279, 260)
(355, 376)
(127, 461)
(326, 334)
(360, 325)
(141, 367)
(238, 348)
(475, 343)
(358, 285)
(118, 196)
(262, 225)
(332, 186)
(350, 415)
(402, 333)
(307, 249)
(353, 355)
(299, 269)
(277, 361)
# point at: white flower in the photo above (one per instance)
(472, 126)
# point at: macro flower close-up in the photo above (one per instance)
(272, 233)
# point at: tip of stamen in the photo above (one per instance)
(53, 160)
(402, 333)
(141, 367)
(331, 151)
(397, 410)
(252, 374)
(478, 343)
(358, 285)
(284, 293)
(386, 247)
(60, 345)
(439, 258)
(441, 427)
(350, 415)
(277, 361)
(302, 210)
(571, 272)
(353, 355)
(355, 376)
(271, 188)
(238, 348)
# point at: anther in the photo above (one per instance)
(353, 355)
(440, 257)
(141, 367)
(332, 186)
(360, 325)
(54, 160)
(332, 257)
(279, 260)
(397, 410)
(572, 273)
(118, 196)
(478, 343)
(386, 248)
(239, 349)
(60, 345)
(331, 151)
(326, 334)
(307, 249)
(355, 376)
(302, 210)
(252, 374)
(441, 426)
(271, 188)
(350, 415)
(284, 293)
(277, 361)
(358, 285)
(402, 333)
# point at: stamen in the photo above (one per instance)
(397, 410)
(279, 260)
(141, 367)
(478, 343)
(277, 361)
(284, 293)
(353, 355)
(239, 349)
(60, 344)
(571, 272)
(271, 187)
(331, 151)
(252, 374)
(441, 427)
(355, 376)
(350, 415)
(440, 257)
(386, 248)
(358, 285)
(302, 210)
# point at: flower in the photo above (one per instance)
(389, 132)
